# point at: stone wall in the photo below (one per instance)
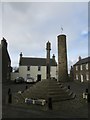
(62, 59)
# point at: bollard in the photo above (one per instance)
(26, 87)
(86, 90)
(68, 86)
(88, 98)
(9, 96)
(9, 91)
(50, 103)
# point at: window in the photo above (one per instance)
(76, 67)
(81, 78)
(28, 75)
(76, 77)
(87, 77)
(28, 68)
(81, 67)
(87, 66)
(39, 68)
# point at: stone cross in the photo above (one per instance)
(48, 48)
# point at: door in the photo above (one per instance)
(38, 77)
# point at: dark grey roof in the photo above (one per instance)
(25, 61)
(83, 61)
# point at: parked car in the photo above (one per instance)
(19, 80)
(30, 80)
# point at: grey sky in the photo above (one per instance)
(28, 26)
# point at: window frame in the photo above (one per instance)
(28, 68)
(76, 68)
(81, 67)
(87, 77)
(87, 66)
(39, 68)
(28, 75)
(76, 76)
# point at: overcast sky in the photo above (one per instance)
(28, 26)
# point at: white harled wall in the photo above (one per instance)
(34, 72)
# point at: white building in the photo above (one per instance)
(36, 67)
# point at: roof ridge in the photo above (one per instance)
(82, 61)
(34, 58)
(36, 61)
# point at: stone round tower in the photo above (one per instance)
(62, 58)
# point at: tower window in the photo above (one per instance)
(28, 68)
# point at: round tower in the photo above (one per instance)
(62, 58)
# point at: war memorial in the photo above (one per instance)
(50, 97)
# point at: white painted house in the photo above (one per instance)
(36, 67)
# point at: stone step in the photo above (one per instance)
(65, 88)
(50, 93)
(57, 99)
(49, 88)
(46, 87)
(73, 95)
(55, 89)
(70, 93)
(54, 97)
(56, 93)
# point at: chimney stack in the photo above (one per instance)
(53, 57)
(21, 55)
(79, 58)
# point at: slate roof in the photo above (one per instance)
(83, 61)
(25, 61)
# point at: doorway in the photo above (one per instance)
(38, 77)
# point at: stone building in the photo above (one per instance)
(62, 58)
(6, 62)
(36, 67)
(81, 70)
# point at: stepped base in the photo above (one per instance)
(46, 89)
